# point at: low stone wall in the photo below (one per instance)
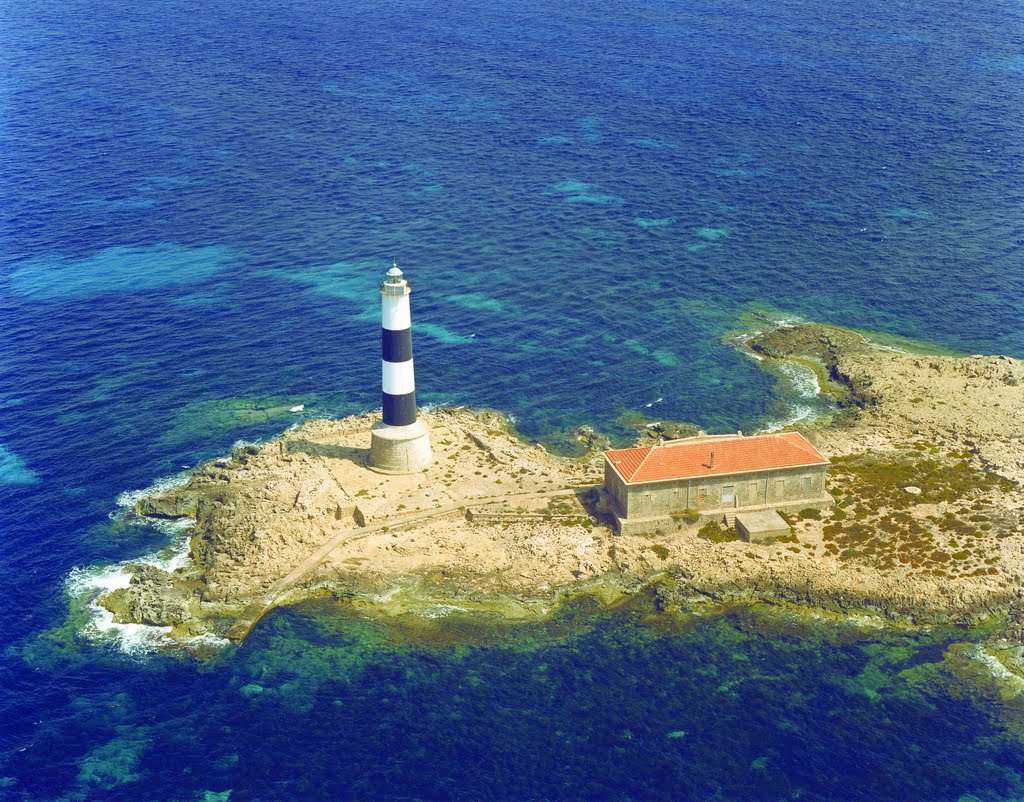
(487, 516)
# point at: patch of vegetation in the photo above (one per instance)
(717, 532)
(780, 539)
(946, 530)
(661, 552)
(688, 516)
(810, 514)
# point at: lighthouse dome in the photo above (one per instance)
(394, 282)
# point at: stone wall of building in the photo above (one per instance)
(784, 488)
(616, 489)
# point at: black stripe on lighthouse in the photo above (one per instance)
(400, 410)
(399, 396)
(396, 346)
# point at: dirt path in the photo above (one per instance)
(252, 614)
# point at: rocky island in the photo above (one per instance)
(927, 457)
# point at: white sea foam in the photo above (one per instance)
(92, 583)
(441, 610)
(803, 382)
(82, 581)
(168, 526)
(207, 641)
(129, 498)
(132, 639)
(997, 669)
(797, 414)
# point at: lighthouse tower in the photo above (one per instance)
(399, 443)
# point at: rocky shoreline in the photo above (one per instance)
(928, 456)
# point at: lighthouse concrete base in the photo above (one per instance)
(400, 449)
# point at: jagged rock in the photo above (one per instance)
(153, 597)
(170, 506)
(590, 439)
(672, 430)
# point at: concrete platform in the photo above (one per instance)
(761, 525)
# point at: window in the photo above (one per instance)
(728, 494)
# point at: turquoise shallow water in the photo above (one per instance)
(198, 200)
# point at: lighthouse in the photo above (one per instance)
(400, 443)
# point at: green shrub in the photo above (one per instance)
(780, 539)
(717, 533)
(689, 515)
(660, 551)
(810, 513)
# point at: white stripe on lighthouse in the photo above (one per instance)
(397, 377)
(395, 313)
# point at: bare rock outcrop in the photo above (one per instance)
(153, 597)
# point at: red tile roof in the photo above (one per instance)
(691, 458)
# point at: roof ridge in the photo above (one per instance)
(647, 456)
(799, 441)
(809, 447)
(621, 454)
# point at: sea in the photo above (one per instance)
(590, 200)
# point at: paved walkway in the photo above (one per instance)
(251, 615)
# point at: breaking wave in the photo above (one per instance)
(89, 584)
(801, 391)
(129, 498)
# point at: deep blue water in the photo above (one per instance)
(196, 202)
